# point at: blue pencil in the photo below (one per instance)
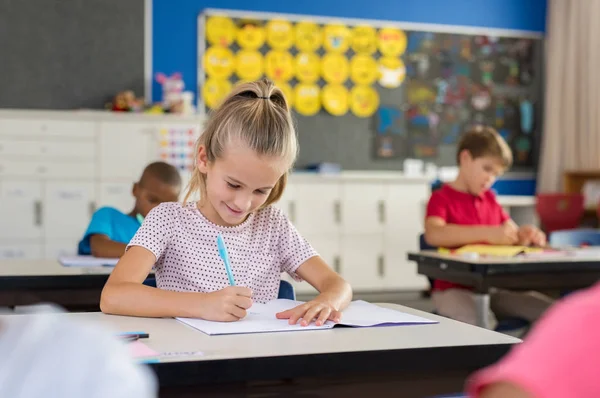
(225, 258)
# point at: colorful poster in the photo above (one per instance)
(219, 62)
(177, 145)
(280, 34)
(220, 31)
(307, 99)
(392, 42)
(363, 69)
(309, 36)
(308, 67)
(279, 65)
(249, 65)
(364, 101)
(251, 35)
(335, 99)
(364, 40)
(335, 68)
(336, 38)
(288, 93)
(214, 91)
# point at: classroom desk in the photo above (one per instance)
(26, 282)
(514, 273)
(407, 361)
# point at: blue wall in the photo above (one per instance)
(174, 21)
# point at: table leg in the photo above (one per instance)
(482, 308)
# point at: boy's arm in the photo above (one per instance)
(103, 246)
(441, 234)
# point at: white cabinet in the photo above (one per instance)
(53, 248)
(116, 194)
(317, 207)
(20, 209)
(125, 148)
(363, 207)
(361, 261)
(68, 207)
(11, 250)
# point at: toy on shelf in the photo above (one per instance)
(174, 99)
(126, 101)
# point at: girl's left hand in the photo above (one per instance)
(316, 310)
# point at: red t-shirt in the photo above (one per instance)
(461, 208)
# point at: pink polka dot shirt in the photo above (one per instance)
(185, 245)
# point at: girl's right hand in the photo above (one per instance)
(227, 305)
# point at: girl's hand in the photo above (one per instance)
(318, 310)
(226, 305)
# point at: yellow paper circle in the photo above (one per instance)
(336, 38)
(391, 72)
(279, 65)
(307, 100)
(214, 91)
(392, 42)
(251, 36)
(363, 69)
(335, 68)
(335, 99)
(308, 67)
(364, 101)
(220, 31)
(249, 65)
(280, 34)
(364, 40)
(308, 36)
(288, 92)
(219, 62)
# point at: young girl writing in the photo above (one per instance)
(242, 161)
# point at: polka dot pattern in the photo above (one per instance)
(185, 244)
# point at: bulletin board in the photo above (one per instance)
(369, 94)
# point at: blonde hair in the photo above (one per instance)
(483, 141)
(254, 113)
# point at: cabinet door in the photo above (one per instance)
(405, 207)
(317, 208)
(20, 250)
(401, 274)
(68, 207)
(287, 203)
(363, 208)
(361, 262)
(117, 195)
(20, 209)
(125, 149)
(54, 248)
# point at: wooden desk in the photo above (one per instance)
(26, 282)
(514, 273)
(417, 360)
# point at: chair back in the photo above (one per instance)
(558, 211)
(286, 291)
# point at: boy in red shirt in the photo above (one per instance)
(465, 211)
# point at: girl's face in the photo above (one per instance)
(238, 183)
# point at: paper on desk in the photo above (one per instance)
(497, 250)
(261, 319)
(87, 261)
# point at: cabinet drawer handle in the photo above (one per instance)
(292, 211)
(337, 211)
(381, 266)
(381, 208)
(337, 264)
(92, 208)
(37, 211)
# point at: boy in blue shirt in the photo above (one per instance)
(110, 230)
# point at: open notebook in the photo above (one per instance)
(261, 319)
(87, 261)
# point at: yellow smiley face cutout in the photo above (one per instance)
(364, 40)
(214, 91)
(307, 99)
(251, 36)
(220, 31)
(308, 67)
(219, 62)
(363, 69)
(392, 42)
(308, 36)
(336, 38)
(249, 65)
(288, 92)
(280, 34)
(279, 65)
(335, 99)
(335, 68)
(391, 72)
(364, 101)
